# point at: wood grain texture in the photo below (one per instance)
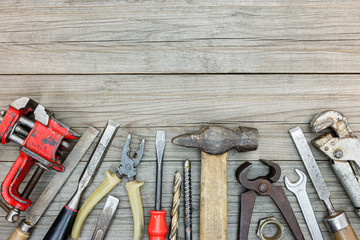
(98, 36)
(213, 197)
(179, 104)
(19, 235)
(346, 233)
(176, 66)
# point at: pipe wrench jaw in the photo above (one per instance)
(343, 149)
(331, 119)
(41, 138)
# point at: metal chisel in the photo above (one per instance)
(25, 227)
(337, 222)
(62, 225)
(105, 218)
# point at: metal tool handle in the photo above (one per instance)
(133, 189)
(309, 215)
(345, 174)
(106, 186)
(278, 195)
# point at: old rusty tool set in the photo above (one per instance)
(47, 143)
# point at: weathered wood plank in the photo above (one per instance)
(187, 100)
(179, 37)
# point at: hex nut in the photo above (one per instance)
(279, 231)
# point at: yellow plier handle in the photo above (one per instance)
(133, 189)
(106, 186)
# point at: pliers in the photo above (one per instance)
(263, 185)
(127, 168)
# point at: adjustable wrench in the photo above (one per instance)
(299, 189)
(343, 148)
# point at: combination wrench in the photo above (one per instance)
(299, 189)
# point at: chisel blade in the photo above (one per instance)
(310, 163)
(105, 218)
(59, 179)
(98, 154)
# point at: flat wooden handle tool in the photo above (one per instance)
(213, 197)
(340, 226)
(19, 235)
(345, 234)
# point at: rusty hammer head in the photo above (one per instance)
(217, 140)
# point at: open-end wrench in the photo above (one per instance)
(299, 189)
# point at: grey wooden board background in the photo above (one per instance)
(176, 66)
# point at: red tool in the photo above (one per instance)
(157, 228)
(41, 138)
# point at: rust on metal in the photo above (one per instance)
(217, 140)
(263, 185)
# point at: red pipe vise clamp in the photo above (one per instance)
(42, 140)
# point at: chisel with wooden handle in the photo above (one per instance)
(336, 221)
(23, 231)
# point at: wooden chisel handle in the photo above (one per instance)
(340, 226)
(18, 234)
(345, 234)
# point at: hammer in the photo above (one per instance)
(214, 143)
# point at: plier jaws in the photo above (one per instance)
(263, 185)
(128, 164)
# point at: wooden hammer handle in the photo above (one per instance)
(213, 197)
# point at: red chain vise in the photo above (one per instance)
(42, 140)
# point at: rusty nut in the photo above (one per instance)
(279, 231)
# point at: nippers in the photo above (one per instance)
(263, 185)
(127, 168)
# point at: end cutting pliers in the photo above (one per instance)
(263, 186)
(127, 168)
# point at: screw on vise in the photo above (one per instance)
(41, 138)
